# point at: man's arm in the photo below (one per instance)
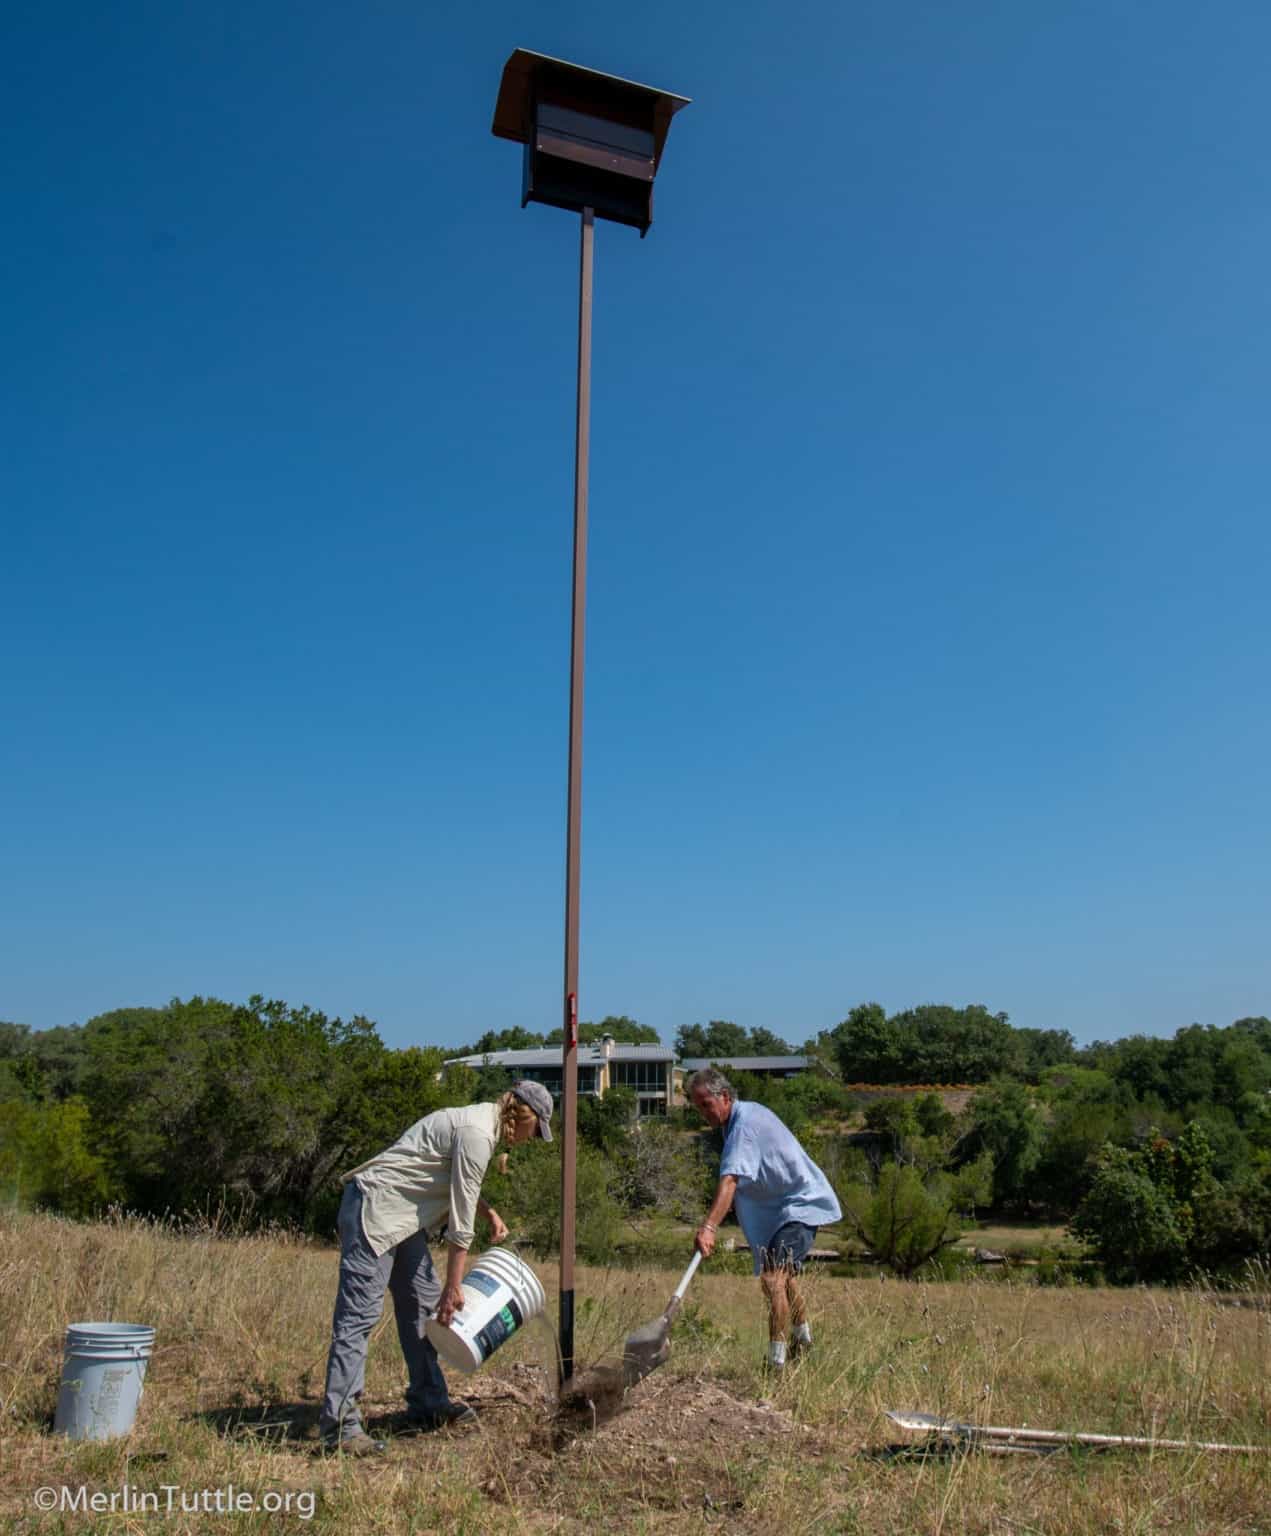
(704, 1240)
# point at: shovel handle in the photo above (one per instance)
(672, 1306)
(688, 1275)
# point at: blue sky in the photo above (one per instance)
(927, 632)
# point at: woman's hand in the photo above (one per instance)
(450, 1303)
(498, 1226)
(704, 1240)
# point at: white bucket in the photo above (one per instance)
(500, 1295)
(102, 1373)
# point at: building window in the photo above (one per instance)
(643, 1076)
(552, 1078)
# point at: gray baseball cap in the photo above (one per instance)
(540, 1101)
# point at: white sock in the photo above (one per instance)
(777, 1352)
(802, 1333)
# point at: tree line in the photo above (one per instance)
(1157, 1150)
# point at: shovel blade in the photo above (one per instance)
(650, 1346)
(645, 1350)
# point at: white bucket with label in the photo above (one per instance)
(500, 1295)
(102, 1373)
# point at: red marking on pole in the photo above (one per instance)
(573, 1019)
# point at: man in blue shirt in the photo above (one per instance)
(781, 1198)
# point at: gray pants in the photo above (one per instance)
(407, 1271)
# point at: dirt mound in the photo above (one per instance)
(673, 1443)
(660, 1413)
(664, 1416)
(665, 1413)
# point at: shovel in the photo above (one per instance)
(650, 1346)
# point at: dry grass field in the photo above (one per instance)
(707, 1443)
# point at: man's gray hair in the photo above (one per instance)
(711, 1080)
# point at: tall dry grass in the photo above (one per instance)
(241, 1338)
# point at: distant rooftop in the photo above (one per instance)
(550, 1056)
(747, 1063)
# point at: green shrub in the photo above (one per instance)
(1130, 1221)
(528, 1197)
(45, 1158)
(905, 1219)
(661, 1171)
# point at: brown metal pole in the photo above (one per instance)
(569, 1049)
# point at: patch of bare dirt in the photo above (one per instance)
(665, 1412)
(670, 1446)
(659, 1413)
(671, 1443)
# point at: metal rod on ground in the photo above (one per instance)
(573, 836)
(933, 1424)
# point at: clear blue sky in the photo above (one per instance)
(928, 644)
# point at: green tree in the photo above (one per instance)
(14, 1039)
(1138, 1061)
(661, 1172)
(624, 1030)
(808, 1097)
(1190, 1062)
(905, 1219)
(512, 1039)
(261, 1104)
(46, 1159)
(1234, 1223)
(933, 1043)
(528, 1197)
(932, 1117)
(1150, 1211)
(951, 1045)
(715, 1041)
(763, 1042)
(1079, 1127)
(1003, 1121)
(43, 1065)
(1044, 1049)
(1129, 1221)
(606, 1123)
(1070, 1082)
(894, 1120)
(59, 1056)
(1242, 1075)
(867, 1046)
(1257, 1029)
(489, 1081)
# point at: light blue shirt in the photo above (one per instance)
(776, 1179)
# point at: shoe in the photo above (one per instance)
(444, 1418)
(354, 1445)
(800, 1347)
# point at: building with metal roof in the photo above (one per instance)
(648, 1070)
(765, 1066)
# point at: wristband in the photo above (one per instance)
(710, 1226)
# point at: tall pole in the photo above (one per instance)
(569, 1049)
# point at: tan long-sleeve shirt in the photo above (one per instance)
(432, 1173)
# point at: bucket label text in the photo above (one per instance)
(501, 1326)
